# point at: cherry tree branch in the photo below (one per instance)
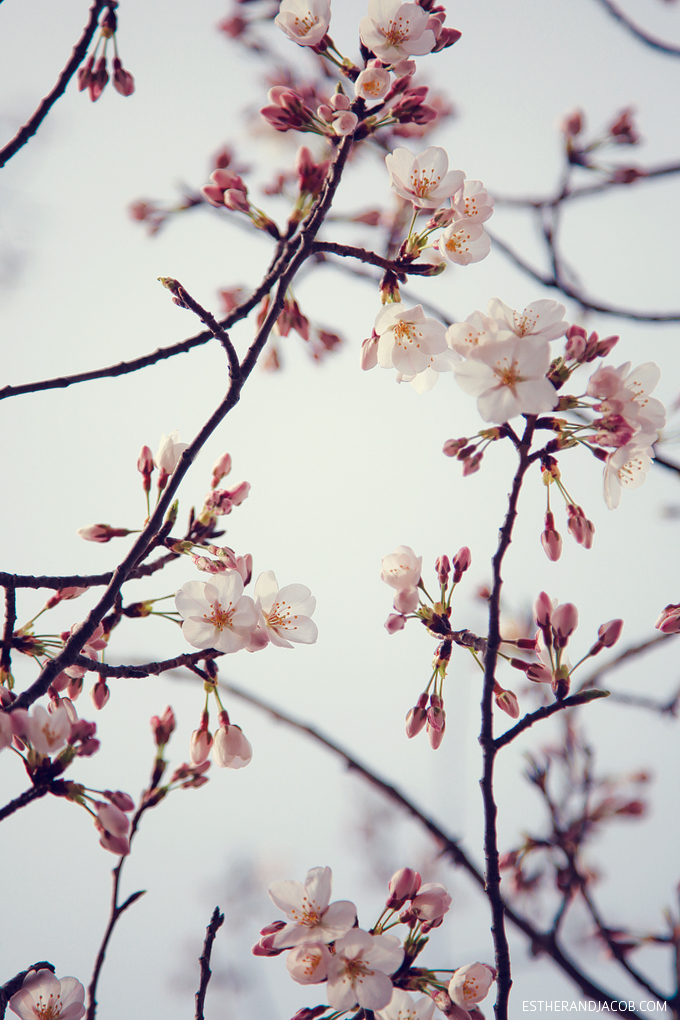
(76, 58)
(25, 798)
(542, 713)
(399, 266)
(216, 922)
(639, 33)
(8, 631)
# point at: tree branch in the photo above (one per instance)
(639, 33)
(216, 922)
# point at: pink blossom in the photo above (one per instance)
(425, 179)
(626, 467)
(308, 964)
(464, 242)
(470, 984)
(409, 341)
(403, 1007)
(47, 732)
(113, 819)
(216, 614)
(358, 972)
(542, 319)
(312, 918)
(304, 21)
(508, 378)
(43, 996)
(669, 621)
(403, 886)
(372, 83)
(220, 469)
(393, 30)
(402, 568)
(286, 612)
(431, 902)
(472, 202)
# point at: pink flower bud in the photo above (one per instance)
(605, 346)
(579, 526)
(472, 464)
(201, 742)
(403, 886)
(123, 82)
(344, 123)
(162, 727)
(539, 673)
(369, 352)
(238, 494)
(98, 79)
(416, 717)
(443, 568)
(609, 633)
(100, 694)
(452, 447)
(551, 540)
(102, 533)
(120, 799)
(406, 601)
(265, 947)
(507, 701)
(431, 902)
(461, 563)
(113, 819)
(84, 75)
(339, 101)
(573, 123)
(119, 845)
(564, 623)
(221, 468)
(394, 622)
(669, 621)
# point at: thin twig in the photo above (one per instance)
(398, 266)
(33, 793)
(76, 58)
(216, 922)
(8, 631)
(639, 33)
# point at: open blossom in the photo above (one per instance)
(402, 568)
(393, 30)
(372, 83)
(471, 983)
(216, 613)
(475, 331)
(544, 319)
(425, 179)
(311, 915)
(402, 1006)
(42, 996)
(286, 611)
(308, 964)
(625, 396)
(358, 972)
(472, 202)
(304, 21)
(463, 242)
(47, 732)
(508, 378)
(627, 466)
(409, 341)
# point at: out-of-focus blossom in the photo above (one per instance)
(402, 568)
(425, 179)
(169, 451)
(402, 1006)
(42, 996)
(102, 533)
(544, 319)
(311, 916)
(358, 972)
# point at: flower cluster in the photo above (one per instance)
(93, 76)
(368, 969)
(556, 623)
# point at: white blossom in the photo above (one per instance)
(304, 21)
(286, 612)
(44, 997)
(508, 378)
(408, 340)
(425, 179)
(544, 319)
(393, 30)
(311, 915)
(216, 613)
(358, 972)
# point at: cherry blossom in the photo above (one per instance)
(463, 242)
(471, 983)
(372, 83)
(431, 902)
(625, 394)
(6, 732)
(216, 613)
(393, 30)
(304, 21)
(669, 621)
(358, 972)
(478, 329)
(230, 748)
(169, 451)
(508, 378)
(308, 964)
(44, 997)
(627, 466)
(402, 568)
(544, 319)
(472, 202)
(403, 1007)
(286, 612)
(408, 339)
(425, 179)
(311, 915)
(47, 732)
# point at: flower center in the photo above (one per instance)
(526, 324)
(280, 616)
(357, 970)
(395, 34)
(508, 374)
(457, 242)
(49, 1010)
(220, 617)
(422, 185)
(303, 26)
(405, 333)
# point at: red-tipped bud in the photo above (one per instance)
(507, 702)
(395, 622)
(607, 635)
(102, 533)
(605, 346)
(123, 82)
(221, 468)
(100, 694)
(461, 563)
(162, 727)
(443, 568)
(572, 124)
(452, 447)
(564, 623)
(669, 621)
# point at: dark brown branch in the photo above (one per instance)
(398, 266)
(54, 581)
(541, 942)
(639, 33)
(147, 668)
(572, 292)
(216, 922)
(184, 298)
(543, 713)
(8, 631)
(33, 793)
(77, 56)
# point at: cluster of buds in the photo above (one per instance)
(620, 131)
(94, 76)
(556, 623)
(48, 739)
(320, 340)
(219, 502)
(466, 451)
(229, 746)
(70, 679)
(579, 526)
